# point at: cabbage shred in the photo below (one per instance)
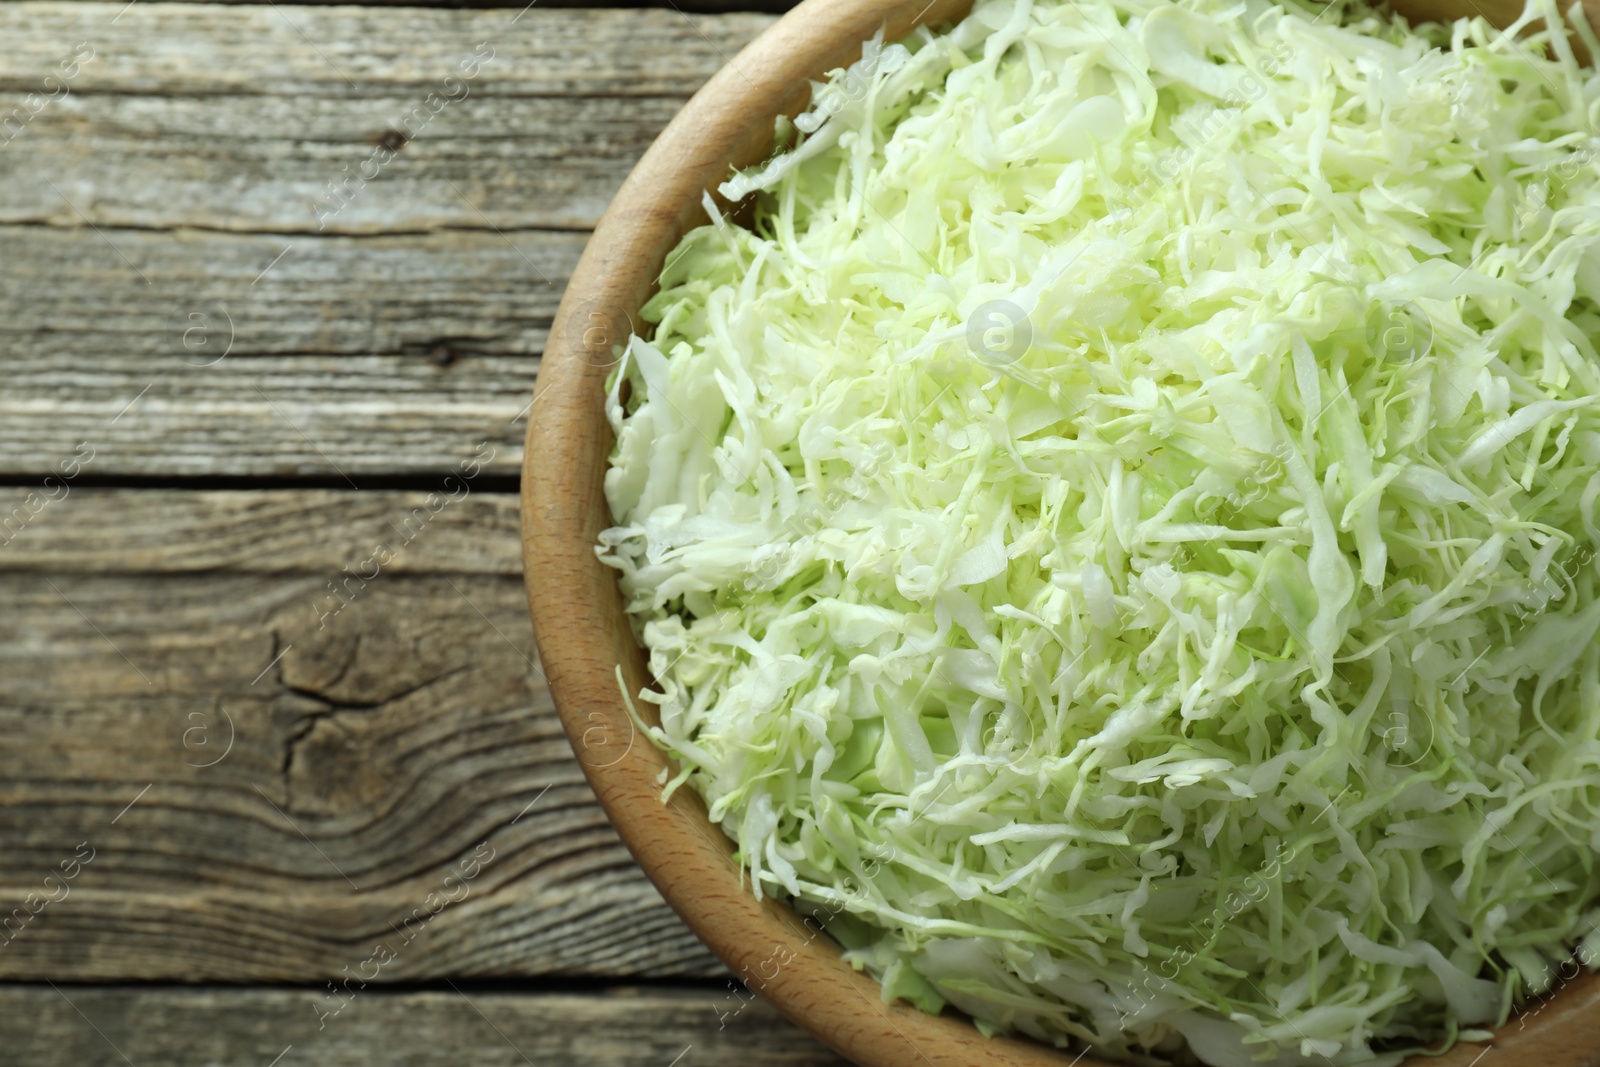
(1117, 532)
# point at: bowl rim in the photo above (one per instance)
(586, 646)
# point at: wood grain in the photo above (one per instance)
(626, 1027)
(690, 6)
(351, 51)
(246, 127)
(346, 356)
(175, 205)
(258, 531)
(82, 299)
(271, 163)
(375, 749)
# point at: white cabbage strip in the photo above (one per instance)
(1118, 534)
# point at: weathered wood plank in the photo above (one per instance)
(556, 111)
(172, 206)
(81, 299)
(171, 531)
(709, 7)
(98, 1027)
(339, 419)
(255, 355)
(370, 761)
(307, 163)
(268, 771)
(283, 49)
(246, 126)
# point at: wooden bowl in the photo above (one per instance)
(584, 637)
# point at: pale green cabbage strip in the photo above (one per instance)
(1119, 535)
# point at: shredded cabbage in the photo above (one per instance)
(1117, 531)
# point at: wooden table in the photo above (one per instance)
(281, 782)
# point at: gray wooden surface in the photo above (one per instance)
(458, 1024)
(271, 709)
(190, 229)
